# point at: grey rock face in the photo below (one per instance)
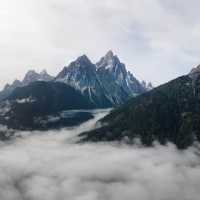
(107, 82)
(82, 75)
(119, 83)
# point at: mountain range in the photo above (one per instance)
(106, 83)
(168, 113)
(80, 85)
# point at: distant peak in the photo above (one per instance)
(16, 81)
(83, 60)
(30, 72)
(44, 71)
(195, 70)
(7, 86)
(195, 73)
(109, 61)
(109, 54)
(111, 57)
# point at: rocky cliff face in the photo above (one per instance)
(82, 75)
(107, 83)
(118, 82)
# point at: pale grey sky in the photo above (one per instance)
(158, 40)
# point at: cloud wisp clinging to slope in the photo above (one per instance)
(50, 166)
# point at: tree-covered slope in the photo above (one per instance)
(170, 112)
(25, 104)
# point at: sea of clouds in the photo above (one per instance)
(52, 166)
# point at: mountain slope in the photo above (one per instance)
(38, 99)
(170, 112)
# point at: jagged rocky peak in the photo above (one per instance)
(32, 76)
(44, 76)
(82, 75)
(31, 73)
(44, 72)
(80, 64)
(109, 61)
(195, 72)
(147, 85)
(150, 86)
(16, 82)
(83, 59)
(196, 69)
(109, 55)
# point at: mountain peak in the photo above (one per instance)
(109, 54)
(80, 66)
(31, 72)
(33, 76)
(43, 72)
(148, 86)
(195, 72)
(83, 59)
(29, 76)
(109, 61)
(16, 82)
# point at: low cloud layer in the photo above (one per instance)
(50, 166)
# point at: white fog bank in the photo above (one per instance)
(51, 166)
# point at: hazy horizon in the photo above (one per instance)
(157, 40)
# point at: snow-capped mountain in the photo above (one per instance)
(82, 75)
(119, 83)
(30, 77)
(106, 83)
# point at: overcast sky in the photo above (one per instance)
(158, 40)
